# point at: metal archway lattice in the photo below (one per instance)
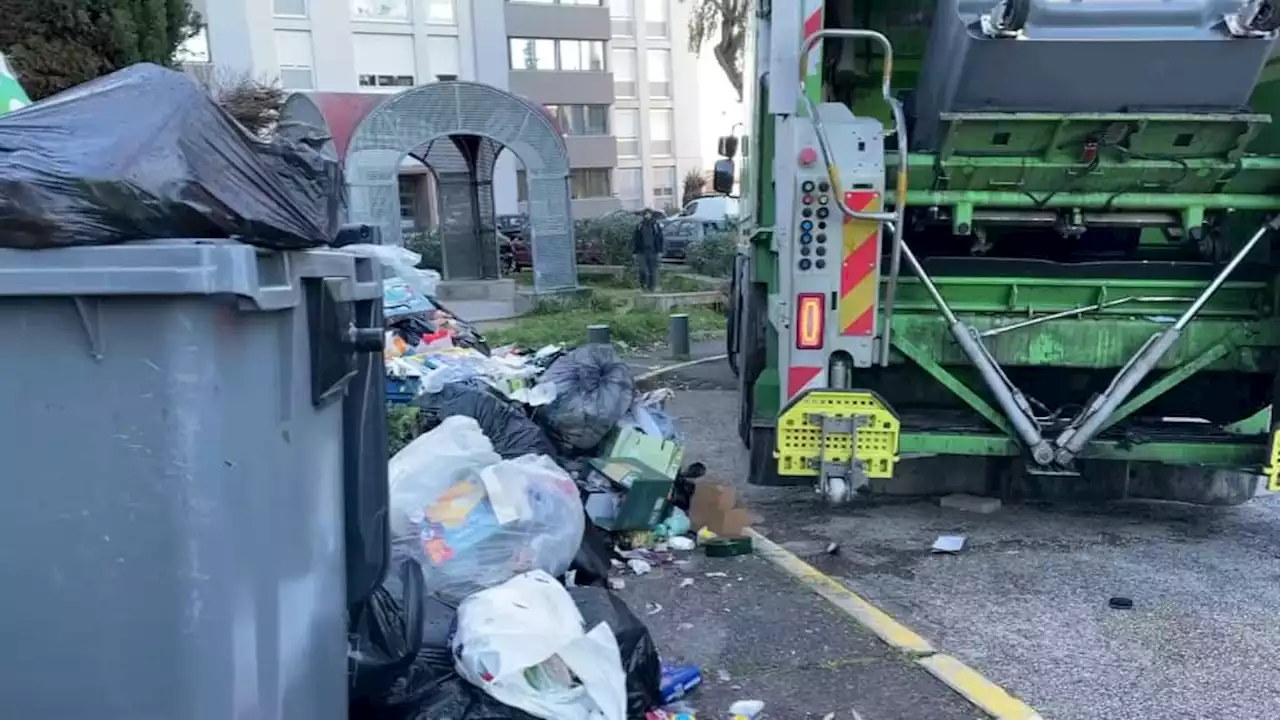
(479, 121)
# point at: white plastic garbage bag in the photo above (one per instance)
(474, 520)
(523, 642)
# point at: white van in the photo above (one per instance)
(710, 208)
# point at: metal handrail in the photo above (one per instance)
(896, 220)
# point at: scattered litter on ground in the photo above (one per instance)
(678, 681)
(746, 709)
(1120, 603)
(682, 543)
(948, 544)
(970, 503)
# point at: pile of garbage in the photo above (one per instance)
(507, 516)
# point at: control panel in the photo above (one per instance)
(814, 231)
(830, 262)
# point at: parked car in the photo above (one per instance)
(680, 233)
(716, 209)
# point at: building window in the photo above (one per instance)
(629, 183)
(443, 57)
(626, 127)
(397, 10)
(293, 50)
(582, 55)
(585, 183)
(624, 73)
(290, 8)
(392, 83)
(522, 186)
(385, 63)
(441, 12)
(570, 55)
(656, 19)
(581, 120)
(531, 54)
(664, 186)
(409, 201)
(658, 69)
(661, 130)
(623, 16)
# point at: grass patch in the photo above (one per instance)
(565, 321)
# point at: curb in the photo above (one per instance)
(964, 680)
(655, 374)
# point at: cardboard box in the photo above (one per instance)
(665, 456)
(643, 501)
(714, 506)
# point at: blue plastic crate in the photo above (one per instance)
(402, 390)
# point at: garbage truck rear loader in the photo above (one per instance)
(1032, 231)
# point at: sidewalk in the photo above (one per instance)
(756, 635)
(644, 361)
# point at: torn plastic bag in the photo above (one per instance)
(511, 431)
(523, 642)
(474, 520)
(146, 153)
(594, 390)
(639, 653)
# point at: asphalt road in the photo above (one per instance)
(1026, 602)
(755, 636)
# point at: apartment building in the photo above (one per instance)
(656, 107)
(575, 57)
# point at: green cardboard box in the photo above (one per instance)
(665, 456)
(644, 494)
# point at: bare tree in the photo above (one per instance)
(695, 183)
(254, 102)
(721, 24)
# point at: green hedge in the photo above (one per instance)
(714, 254)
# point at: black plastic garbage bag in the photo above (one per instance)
(511, 431)
(594, 390)
(146, 153)
(401, 658)
(639, 653)
(386, 635)
(592, 563)
(456, 699)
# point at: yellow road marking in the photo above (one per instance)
(969, 683)
(868, 615)
(991, 698)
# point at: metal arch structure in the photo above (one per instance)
(458, 129)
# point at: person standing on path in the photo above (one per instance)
(648, 250)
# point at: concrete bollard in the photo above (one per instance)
(599, 335)
(678, 336)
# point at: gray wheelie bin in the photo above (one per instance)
(173, 514)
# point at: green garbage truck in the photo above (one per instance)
(1036, 232)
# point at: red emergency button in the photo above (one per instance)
(808, 156)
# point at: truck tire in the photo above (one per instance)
(733, 316)
(763, 469)
(751, 354)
